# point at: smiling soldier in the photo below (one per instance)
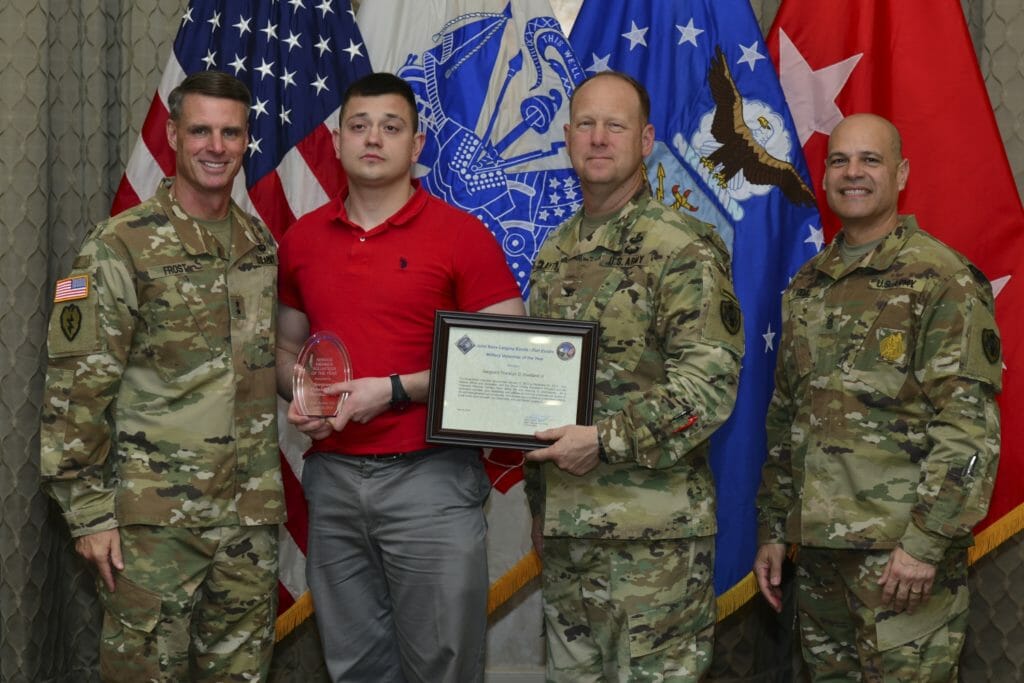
(159, 437)
(883, 432)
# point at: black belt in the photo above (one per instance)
(399, 456)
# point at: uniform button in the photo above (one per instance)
(362, 239)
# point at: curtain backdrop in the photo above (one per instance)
(76, 78)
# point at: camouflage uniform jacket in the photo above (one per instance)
(160, 404)
(668, 360)
(883, 428)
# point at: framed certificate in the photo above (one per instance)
(497, 379)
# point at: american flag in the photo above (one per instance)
(71, 288)
(297, 58)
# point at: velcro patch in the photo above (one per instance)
(990, 344)
(74, 330)
(71, 289)
(981, 357)
(171, 269)
(731, 317)
(892, 346)
(71, 321)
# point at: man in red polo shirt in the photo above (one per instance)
(396, 559)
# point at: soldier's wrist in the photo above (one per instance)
(606, 452)
(924, 546)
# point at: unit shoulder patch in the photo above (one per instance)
(990, 344)
(71, 321)
(731, 316)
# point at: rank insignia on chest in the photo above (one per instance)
(892, 346)
(237, 307)
(70, 321)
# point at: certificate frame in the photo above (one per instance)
(450, 356)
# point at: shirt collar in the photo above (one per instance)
(879, 259)
(405, 215)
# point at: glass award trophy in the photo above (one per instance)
(323, 361)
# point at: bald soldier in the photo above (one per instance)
(624, 509)
(883, 431)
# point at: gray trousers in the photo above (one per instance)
(397, 565)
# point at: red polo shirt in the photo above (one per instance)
(378, 291)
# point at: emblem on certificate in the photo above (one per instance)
(323, 361)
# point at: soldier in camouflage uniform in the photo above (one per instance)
(624, 510)
(158, 437)
(883, 432)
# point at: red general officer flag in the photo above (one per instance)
(912, 62)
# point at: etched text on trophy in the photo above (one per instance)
(323, 361)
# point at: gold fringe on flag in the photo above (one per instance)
(293, 616)
(990, 539)
(737, 596)
(520, 574)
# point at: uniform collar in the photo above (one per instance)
(610, 235)
(879, 259)
(196, 240)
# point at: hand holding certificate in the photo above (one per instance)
(496, 380)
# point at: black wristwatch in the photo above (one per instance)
(399, 399)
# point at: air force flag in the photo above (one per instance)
(727, 153)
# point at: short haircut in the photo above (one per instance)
(211, 84)
(641, 91)
(382, 83)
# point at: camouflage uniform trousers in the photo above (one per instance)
(191, 605)
(847, 635)
(628, 610)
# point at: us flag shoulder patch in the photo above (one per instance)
(72, 289)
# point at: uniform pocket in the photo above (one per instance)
(475, 483)
(180, 318)
(659, 627)
(256, 319)
(54, 418)
(622, 308)
(929, 617)
(130, 647)
(883, 361)
(131, 607)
